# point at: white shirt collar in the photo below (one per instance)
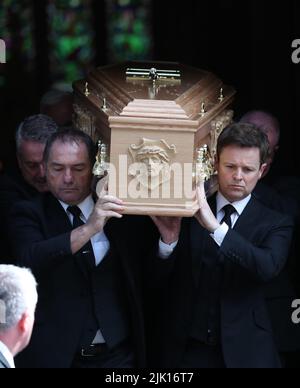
(7, 355)
(239, 205)
(86, 206)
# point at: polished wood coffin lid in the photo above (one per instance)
(166, 99)
(108, 101)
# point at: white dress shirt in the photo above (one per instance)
(99, 242)
(239, 206)
(219, 235)
(7, 355)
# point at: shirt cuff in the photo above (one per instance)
(165, 250)
(220, 233)
(101, 247)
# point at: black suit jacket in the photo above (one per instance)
(281, 292)
(13, 189)
(3, 362)
(253, 253)
(41, 232)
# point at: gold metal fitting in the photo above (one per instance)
(104, 106)
(204, 164)
(86, 89)
(100, 166)
(221, 97)
(203, 110)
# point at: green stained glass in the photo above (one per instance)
(71, 39)
(16, 29)
(129, 30)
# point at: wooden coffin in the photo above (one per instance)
(152, 120)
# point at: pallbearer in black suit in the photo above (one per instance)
(89, 313)
(218, 262)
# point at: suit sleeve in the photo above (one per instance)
(160, 269)
(264, 260)
(8, 198)
(30, 247)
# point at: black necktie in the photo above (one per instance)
(87, 249)
(76, 213)
(229, 210)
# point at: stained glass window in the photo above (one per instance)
(71, 39)
(129, 30)
(16, 29)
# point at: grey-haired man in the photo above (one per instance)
(28, 180)
(18, 298)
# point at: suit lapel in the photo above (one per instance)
(59, 223)
(198, 239)
(119, 244)
(243, 224)
(197, 236)
(4, 362)
(57, 219)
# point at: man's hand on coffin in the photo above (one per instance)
(169, 228)
(106, 207)
(205, 216)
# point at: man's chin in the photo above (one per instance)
(71, 197)
(41, 187)
(235, 195)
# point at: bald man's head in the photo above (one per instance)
(269, 124)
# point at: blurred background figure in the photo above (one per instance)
(269, 124)
(59, 106)
(18, 298)
(274, 189)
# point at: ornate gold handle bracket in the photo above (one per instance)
(206, 155)
(204, 168)
(154, 74)
(101, 166)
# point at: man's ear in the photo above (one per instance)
(24, 322)
(216, 164)
(262, 170)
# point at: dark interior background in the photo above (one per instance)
(246, 43)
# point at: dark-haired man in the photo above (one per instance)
(89, 313)
(215, 266)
